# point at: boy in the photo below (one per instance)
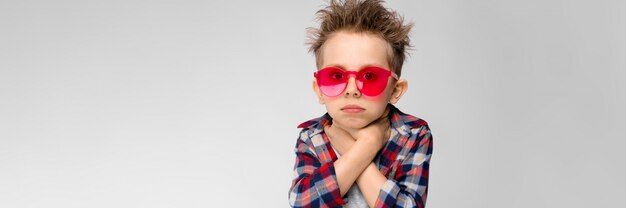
(364, 151)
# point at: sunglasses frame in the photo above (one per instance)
(385, 74)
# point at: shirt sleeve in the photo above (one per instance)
(314, 184)
(409, 187)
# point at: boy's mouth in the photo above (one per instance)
(352, 109)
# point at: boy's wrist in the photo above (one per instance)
(372, 142)
(376, 133)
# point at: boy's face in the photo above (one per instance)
(352, 52)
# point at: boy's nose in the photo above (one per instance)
(352, 89)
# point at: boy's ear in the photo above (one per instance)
(399, 88)
(317, 91)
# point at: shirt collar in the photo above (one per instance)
(402, 122)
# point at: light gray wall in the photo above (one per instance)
(195, 103)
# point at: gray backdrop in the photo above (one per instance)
(195, 103)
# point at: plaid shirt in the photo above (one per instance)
(404, 161)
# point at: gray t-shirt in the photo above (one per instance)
(355, 197)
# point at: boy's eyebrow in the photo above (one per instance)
(336, 65)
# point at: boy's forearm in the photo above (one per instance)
(353, 162)
(370, 181)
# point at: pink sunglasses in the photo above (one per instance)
(371, 80)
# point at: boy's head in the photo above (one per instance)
(359, 50)
(362, 16)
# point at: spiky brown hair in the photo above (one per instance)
(362, 16)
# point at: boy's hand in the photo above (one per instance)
(378, 131)
(341, 140)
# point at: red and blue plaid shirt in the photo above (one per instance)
(404, 161)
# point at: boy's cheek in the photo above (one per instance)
(379, 98)
(329, 99)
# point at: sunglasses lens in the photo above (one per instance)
(373, 80)
(332, 90)
(331, 76)
(332, 81)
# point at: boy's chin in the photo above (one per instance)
(352, 123)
